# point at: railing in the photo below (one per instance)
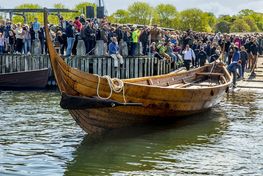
(133, 67)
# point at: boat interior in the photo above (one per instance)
(208, 76)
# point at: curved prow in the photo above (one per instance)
(59, 67)
(52, 52)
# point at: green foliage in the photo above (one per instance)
(240, 25)
(245, 12)
(211, 18)
(194, 19)
(81, 8)
(166, 14)
(120, 16)
(140, 13)
(251, 23)
(30, 16)
(227, 18)
(222, 26)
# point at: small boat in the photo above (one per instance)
(33, 79)
(100, 103)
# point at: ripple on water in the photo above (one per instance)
(39, 138)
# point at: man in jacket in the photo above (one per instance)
(114, 52)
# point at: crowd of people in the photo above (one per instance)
(193, 49)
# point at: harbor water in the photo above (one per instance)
(38, 138)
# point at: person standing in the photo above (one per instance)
(27, 40)
(135, 41)
(144, 38)
(36, 27)
(202, 56)
(19, 38)
(70, 38)
(254, 54)
(189, 55)
(243, 58)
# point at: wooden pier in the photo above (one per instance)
(133, 66)
(253, 82)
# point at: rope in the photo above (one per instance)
(115, 85)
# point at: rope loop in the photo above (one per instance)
(116, 85)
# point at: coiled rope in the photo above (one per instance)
(115, 85)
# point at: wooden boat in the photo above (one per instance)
(135, 101)
(33, 79)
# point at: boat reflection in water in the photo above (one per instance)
(146, 149)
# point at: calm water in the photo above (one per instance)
(38, 138)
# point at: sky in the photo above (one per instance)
(218, 7)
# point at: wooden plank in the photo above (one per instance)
(18, 63)
(22, 64)
(131, 67)
(109, 67)
(100, 66)
(127, 68)
(78, 62)
(1, 57)
(140, 65)
(104, 66)
(136, 70)
(152, 66)
(158, 67)
(122, 70)
(7, 65)
(3, 63)
(145, 67)
(82, 64)
(95, 65)
(149, 65)
(87, 61)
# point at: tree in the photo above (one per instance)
(120, 16)
(194, 19)
(239, 25)
(211, 18)
(81, 8)
(226, 18)
(223, 27)
(30, 16)
(140, 13)
(166, 14)
(245, 12)
(251, 22)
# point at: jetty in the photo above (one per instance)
(253, 82)
(138, 66)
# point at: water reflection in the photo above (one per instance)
(38, 138)
(142, 148)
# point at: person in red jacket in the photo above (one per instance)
(77, 24)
